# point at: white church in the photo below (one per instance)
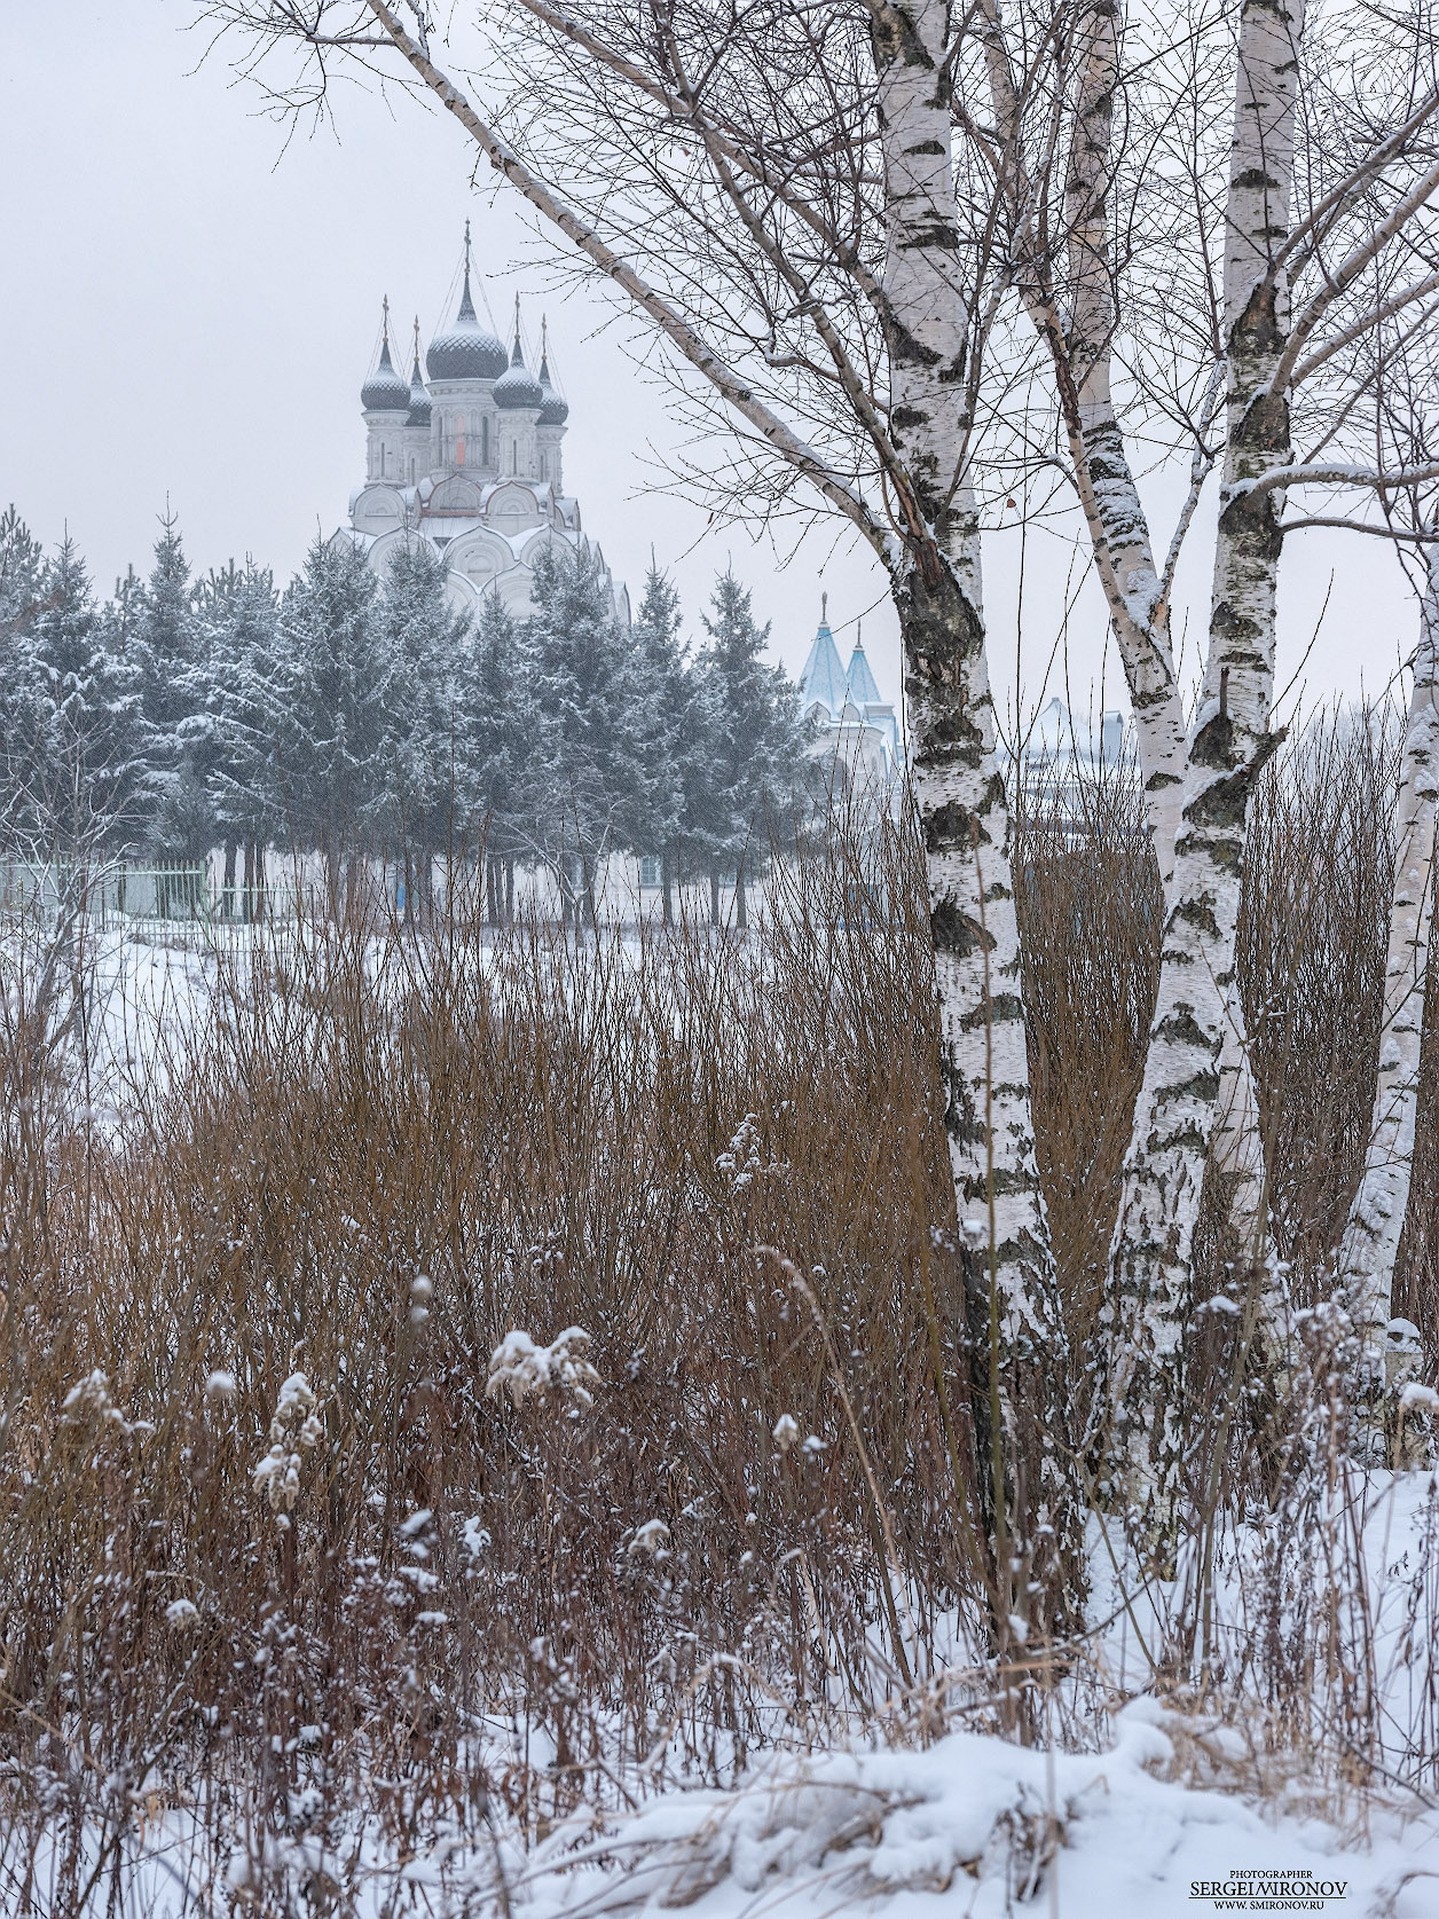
(468, 458)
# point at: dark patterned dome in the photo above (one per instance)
(385, 391)
(554, 410)
(465, 351)
(420, 408)
(518, 387)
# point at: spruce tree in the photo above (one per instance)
(583, 791)
(666, 720)
(22, 572)
(754, 770)
(168, 658)
(90, 779)
(327, 706)
(420, 638)
(239, 614)
(495, 731)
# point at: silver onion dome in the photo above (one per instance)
(420, 407)
(465, 351)
(554, 409)
(518, 387)
(385, 391)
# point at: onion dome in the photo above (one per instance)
(420, 408)
(465, 351)
(554, 410)
(518, 387)
(385, 391)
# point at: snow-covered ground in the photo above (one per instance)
(972, 1826)
(980, 1827)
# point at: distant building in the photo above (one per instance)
(856, 724)
(469, 459)
(1059, 755)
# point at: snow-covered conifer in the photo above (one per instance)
(239, 613)
(495, 728)
(753, 772)
(666, 715)
(326, 705)
(584, 780)
(168, 660)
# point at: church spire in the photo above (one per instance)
(517, 357)
(467, 305)
(554, 410)
(387, 365)
(384, 391)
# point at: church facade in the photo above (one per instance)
(854, 723)
(468, 457)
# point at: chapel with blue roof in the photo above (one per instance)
(847, 706)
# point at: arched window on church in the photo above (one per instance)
(544, 466)
(514, 456)
(484, 442)
(382, 459)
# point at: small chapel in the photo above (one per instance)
(854, 721)
(468, 456)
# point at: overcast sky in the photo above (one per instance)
(189, 309)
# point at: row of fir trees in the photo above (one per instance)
(361, 719)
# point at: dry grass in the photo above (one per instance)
(385, 1153)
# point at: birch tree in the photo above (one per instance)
(1293, 294)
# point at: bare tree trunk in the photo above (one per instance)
(714, 896)
(959, 794)
(227, 883)
(1124, 554)
(1151, 1255)
(741, 904)
(1370, 1246)
(1077, 323)
(667, 886)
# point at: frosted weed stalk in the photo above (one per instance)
(296, 1429)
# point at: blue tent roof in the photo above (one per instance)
(861, 680)
(823, 677)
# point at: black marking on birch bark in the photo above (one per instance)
(1214, 742)
(1200, 1085)
(952, 823)
(1012, 1179)
(1181, 1025)
(1197, 913)
(955, 932)
(996, 1010)
(962, 1121)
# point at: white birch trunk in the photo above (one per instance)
(957, 782)
(1119, 528)
(956, 777)
(1124, 555)
(1370, 1246)
(1151, 1256)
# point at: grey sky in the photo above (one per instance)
(189, 312)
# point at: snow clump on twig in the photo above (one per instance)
(295, 1430)
(524, 1370)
